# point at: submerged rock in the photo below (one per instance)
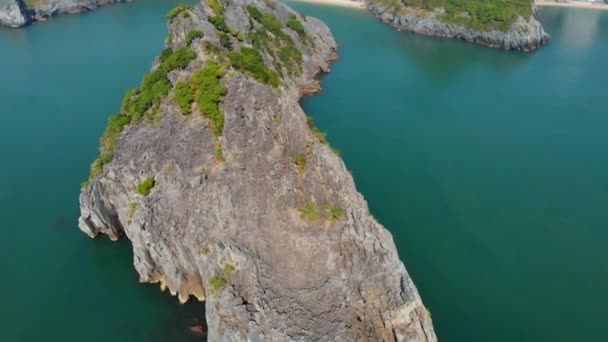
(247, 207)
(525, 34)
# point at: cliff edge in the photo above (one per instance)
(228, 193)
(508, 25)
(18, 13)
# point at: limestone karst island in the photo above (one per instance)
(304, 170)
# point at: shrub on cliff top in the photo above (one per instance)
(179, 9)
(297, 26)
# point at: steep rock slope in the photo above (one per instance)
(229, 194)
(523, 31)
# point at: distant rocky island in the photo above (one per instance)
(509, 25)
(18, 13)
(230, 194)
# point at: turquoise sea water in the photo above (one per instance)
(490, 169)
(59, 82)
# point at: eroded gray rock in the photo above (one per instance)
(525, 34)
(13, 13)
(16, 13)
(293, 279)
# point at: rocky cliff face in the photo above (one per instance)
(233, 197)
(526, 34)
(20, 13)
(13, 14)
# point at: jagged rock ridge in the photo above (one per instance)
(247, 208)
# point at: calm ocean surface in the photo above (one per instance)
(490, 168)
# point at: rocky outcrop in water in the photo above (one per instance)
(19, 13)
(240, 202)
(13, 14)
(525, 34)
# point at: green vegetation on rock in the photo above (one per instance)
(322, 137)
(482, 15)
(311, 212)
(300, 161)
(145, 186)
(139, 101)
(192, 35)
(184, 96)
(208, 93)
(217, 283)
(271, 38)
(179, 9)
(296, 25)
(333, 214)
(250, 62)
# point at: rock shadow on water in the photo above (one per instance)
(178, 322)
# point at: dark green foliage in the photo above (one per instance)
(209, 93)
(145, 186)
(255, 13)
(219, 22)
(156, 85)
(250, 61)
(297, 26)
(177, 11)
(184, 96)
(480, 15)
(178, 60)
(192, 35)
(137, 102)
(225, 40)
(116, 123)
(165, 54)
(280, 43)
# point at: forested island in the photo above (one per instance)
(509, 25)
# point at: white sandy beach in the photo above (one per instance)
(361, 5)
(571, 4)
(342, 3)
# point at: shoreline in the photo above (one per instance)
(341, 3)
(571, 5)
(544, 3)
